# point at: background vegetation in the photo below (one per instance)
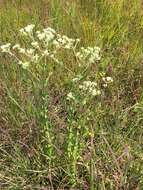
(112, 157)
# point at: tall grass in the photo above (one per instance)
(47, 142)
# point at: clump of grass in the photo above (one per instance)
(65, 123)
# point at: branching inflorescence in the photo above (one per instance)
(46, 44)
(44, 48)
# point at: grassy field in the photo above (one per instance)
(55, 133)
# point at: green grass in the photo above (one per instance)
(47, 143)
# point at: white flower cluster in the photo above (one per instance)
(107, 80)
(46, 35)
(90, 87)
(70, 96)
(89, 54)
(24, 65)
(49, 35)
(65, 42)
(27, 30)
(5, 48)
(87, 88)
(30, 53)
(78, 78)
(44, 43)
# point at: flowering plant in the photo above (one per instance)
(43, 49)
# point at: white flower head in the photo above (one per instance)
(30, 51)
(22, 50)
(5, 48)
(70, 96)
(49, 29)
(16, 46)
(35, 44)
(95, 92)
(76, 79)
(89, 54)
(25, 65)
(40, 35)
(56, 43)
(35, 58)
(46, 53)
(109, 79)
(65, 42)
(27, 30)
(22, 31)
(90, 88)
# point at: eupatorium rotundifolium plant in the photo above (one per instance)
(47, 43)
